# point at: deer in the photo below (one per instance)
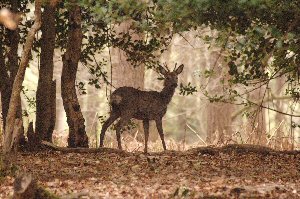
(127, 103)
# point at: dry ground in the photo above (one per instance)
(228, 172)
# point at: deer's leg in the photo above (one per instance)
(161, 132)
(106, 124)
(146, 131)
(122, 122)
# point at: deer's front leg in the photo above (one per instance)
(122, 122)
(161, 132)
(146, 131)
(106, 124)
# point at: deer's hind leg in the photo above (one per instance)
(122, 122)
(106, 124)
(161, 132)
(146, 131)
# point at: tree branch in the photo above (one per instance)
(259, 104)
(17, 85)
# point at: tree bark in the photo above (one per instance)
(13, 65)
(17, 85)
(124, 74)
(219, 123)
(45, 114)
(219, 129)
(257, 123)
(13, 38)
(4, 83)
(33, 140)
(75, 120)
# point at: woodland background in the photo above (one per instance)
(228, 91)
(232, 128)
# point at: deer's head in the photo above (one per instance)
(171, 77)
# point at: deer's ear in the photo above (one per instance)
(179, 69)
(162, 70)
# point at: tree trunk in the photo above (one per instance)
(219, 129)
(14, 38)
(257, 123)
(17, 85)
(75, 120)
(12, 68)
(279, 118)
(4, 82)
(124, 74)
(45, 114)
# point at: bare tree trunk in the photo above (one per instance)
(219, 123)
(77, 134)
(279, 118)
(12, 68)
(17, 86)
(4, 82)
(257, 123)
(124, 74)
(13, 65)
(45, 113)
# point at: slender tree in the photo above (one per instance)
(46, 90)
(256, 121)
(12, 122)
(218, 114)
(4, 80)
(75, 120)
(9, 71)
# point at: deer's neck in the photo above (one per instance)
(167, 93)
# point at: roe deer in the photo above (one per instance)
(128, 102)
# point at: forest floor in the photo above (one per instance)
(234, 171)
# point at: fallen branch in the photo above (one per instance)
(82, 150)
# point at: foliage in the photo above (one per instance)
(260, 37)
(81, 88)
(188, 89)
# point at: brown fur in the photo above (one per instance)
(128, 102)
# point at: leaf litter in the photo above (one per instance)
(227, 172)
